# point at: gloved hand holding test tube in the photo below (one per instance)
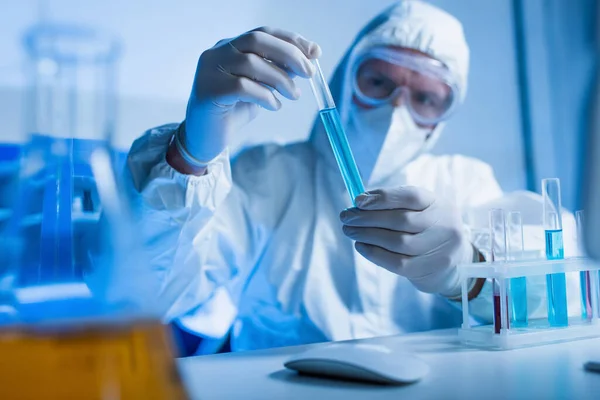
(335, 133)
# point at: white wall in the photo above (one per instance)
(163, 39)
(488, 126)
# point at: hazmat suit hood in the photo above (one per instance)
(410, 24)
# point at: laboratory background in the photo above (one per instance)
(78, 300)
(525, 113)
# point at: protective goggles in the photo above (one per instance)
(425, 85)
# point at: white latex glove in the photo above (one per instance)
(235, 78)
(410, 232)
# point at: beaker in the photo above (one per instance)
(69, 237)
(77, 298)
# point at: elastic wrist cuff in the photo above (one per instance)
(185, 154)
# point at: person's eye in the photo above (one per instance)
(381, 84)
(377, 82)
(427, 99)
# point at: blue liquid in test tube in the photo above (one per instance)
(342, 152)
(556, 284)
(518, 286)
(335, 133)
(518, 293)
(586, 295)
(585, 277)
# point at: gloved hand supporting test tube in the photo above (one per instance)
(335, 133)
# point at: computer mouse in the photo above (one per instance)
(360, 361)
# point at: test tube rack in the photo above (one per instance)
(538, 331)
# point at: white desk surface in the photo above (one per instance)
(542, 372)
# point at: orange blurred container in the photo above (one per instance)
(89, 362)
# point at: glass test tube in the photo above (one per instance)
(556, 284)
(584, 276)
(517, 286)
(335, 133)
(498, 254)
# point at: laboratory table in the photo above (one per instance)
(457, 372)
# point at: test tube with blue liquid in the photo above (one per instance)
(335, 132)
(556, 284)
(518, 286)
(585, 277)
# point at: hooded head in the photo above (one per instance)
(386, 138)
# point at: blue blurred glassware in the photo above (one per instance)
(67, 248)
(75, 289)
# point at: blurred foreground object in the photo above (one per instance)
(79, 309)
(591, 167)
(90, 362)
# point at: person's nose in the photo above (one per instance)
(398, 99)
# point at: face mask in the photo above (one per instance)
(383, 140)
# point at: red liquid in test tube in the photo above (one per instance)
(498, 253)
(498, 310)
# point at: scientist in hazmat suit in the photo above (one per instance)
(267, 247)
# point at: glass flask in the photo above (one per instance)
(76, 297)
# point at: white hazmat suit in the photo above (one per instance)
(255, 246)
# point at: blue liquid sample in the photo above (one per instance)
(586, 295)
(50, 241)
(341, 150)
(56, 244)
(518, 302)
(556, 284)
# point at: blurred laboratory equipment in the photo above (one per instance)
(77, 298)
(590, 168)
(514, 274)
